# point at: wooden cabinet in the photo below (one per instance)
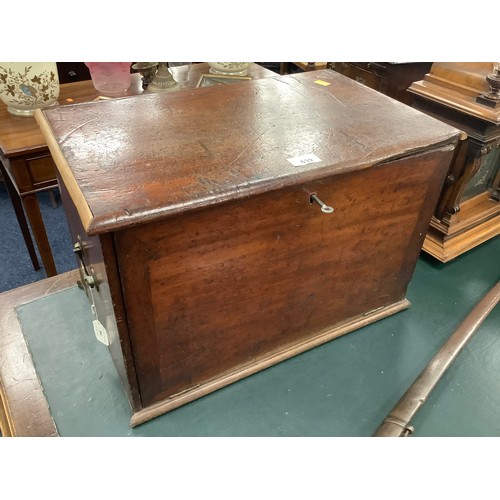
(221, 231)
(69, 72)
(468, 211)
(392, 79)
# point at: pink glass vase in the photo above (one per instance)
(110, 78)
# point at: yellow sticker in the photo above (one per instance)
(321, 82)
(69, 99)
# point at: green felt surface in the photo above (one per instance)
(343, 388)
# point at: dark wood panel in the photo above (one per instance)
(361, 75)
(72, 72)
(391, 79)
(243, 280)
(33, 172)
(97, 259)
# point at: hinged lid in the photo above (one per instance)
(136, 159)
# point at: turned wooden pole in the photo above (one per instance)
(397, 423)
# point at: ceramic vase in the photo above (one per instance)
(26, 86)
(229, 68)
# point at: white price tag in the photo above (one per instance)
(299, 161)
(100, 332)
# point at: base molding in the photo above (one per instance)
(477, 222)
(446, 249)
(338, 330)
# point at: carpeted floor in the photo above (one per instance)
(16, 268)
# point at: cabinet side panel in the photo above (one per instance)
(99, 259)
(219, 289)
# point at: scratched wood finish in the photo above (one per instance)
(218, 262)
(190, 149)
(20, 135)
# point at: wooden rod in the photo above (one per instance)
(397, 423)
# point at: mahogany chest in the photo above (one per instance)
(222, 230)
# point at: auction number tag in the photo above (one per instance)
(100, 332)
(298, 161)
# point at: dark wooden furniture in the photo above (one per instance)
(390, 78)
(291, 67)
(204, 228)
(27, 166)
(468, 211)
(70, 72)
(320, 390)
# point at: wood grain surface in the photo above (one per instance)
(143, 158)
(220, 260)
(222, 288)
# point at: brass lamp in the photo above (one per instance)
(163, 80)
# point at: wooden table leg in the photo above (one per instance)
(21, 219)
(35, 218)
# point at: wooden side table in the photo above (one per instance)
(27, 166)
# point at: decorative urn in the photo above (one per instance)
(229, 68)
(26, 86)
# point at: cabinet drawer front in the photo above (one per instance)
(32, 173)
(360, 75)
(42, 169)
(219, 289)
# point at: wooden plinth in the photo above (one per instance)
(477, 222)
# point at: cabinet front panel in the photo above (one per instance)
(221, 288)
(361, 76)
(31, 173)
(42, 169)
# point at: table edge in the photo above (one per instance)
(20, 388)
